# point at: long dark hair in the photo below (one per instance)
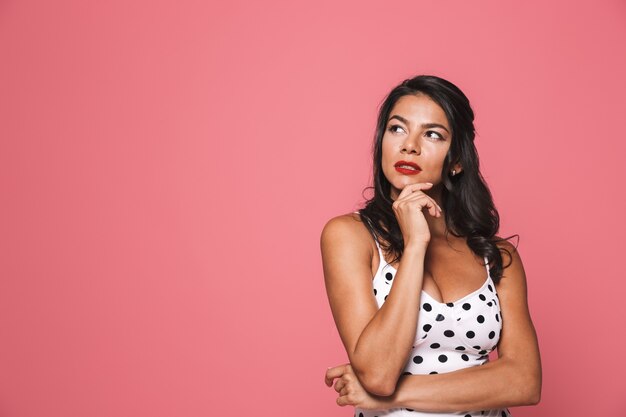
(466, 200)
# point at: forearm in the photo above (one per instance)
(495, 384)
(385, 343)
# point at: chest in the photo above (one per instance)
(451, 270)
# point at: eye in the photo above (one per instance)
(436, 133)
(393, 127)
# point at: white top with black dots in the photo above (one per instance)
(449, 336)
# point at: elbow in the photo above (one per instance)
(375, 383)
(530, 390)
(381, 388)
(530, 398)
(534, 397)
(524, 382)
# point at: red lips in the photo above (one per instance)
(407, 168)
(412, 164)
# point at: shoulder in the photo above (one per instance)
(346, 232)
(512, 266)
(504, 244)
(347, 225)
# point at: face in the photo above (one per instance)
(417, 131)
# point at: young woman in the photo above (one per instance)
(416, 279)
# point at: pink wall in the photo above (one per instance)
(166, 169)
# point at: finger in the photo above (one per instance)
(430, 205)
(424, 201)
(332, 373)
(342, 401)
(408, 189)
(415, 194)
(339, 384)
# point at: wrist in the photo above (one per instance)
(416, 247)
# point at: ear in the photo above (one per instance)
(457, 169)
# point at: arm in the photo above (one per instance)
(512, 380)
(378, 341)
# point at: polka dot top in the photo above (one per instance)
(449, 336)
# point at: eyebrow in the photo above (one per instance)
(424, 125)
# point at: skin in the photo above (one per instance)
(432, 262)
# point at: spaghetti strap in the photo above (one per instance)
(487, 266)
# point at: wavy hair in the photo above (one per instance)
(467, 203)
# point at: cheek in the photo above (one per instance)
(439, 157)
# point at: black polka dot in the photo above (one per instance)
(492, 334)
(458, 319)
(489, 286)
(482, 297)
(482, 352)
(427, 307)
(448, 333)
(494, 301)
(433, 373)
(489, 303)
(409, 409)
(386, 297)
(465, 357)
(427, 327)
(459, 348)
(480, 318)
(450, 304)
(360, 414)
(497, 317)
(467, 415)
(418, 359)
(477, 347)
(466, 306)
(443, 358)
(439, 317)
(388, 276)
(470, 334)
(375, 292)
(435, 346)
(406, 373)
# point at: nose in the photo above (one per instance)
(411, 145)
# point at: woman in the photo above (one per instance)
(419, 333)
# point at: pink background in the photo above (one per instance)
(166, 169)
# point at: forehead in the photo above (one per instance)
(419, 108)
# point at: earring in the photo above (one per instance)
(453, 172)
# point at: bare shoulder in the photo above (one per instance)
(505, 245)
(346, 228)
(511, 260)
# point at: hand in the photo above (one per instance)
(408, 211)
(350, 390)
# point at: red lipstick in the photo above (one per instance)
(407, 168)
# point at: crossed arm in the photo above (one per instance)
(512, 380)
